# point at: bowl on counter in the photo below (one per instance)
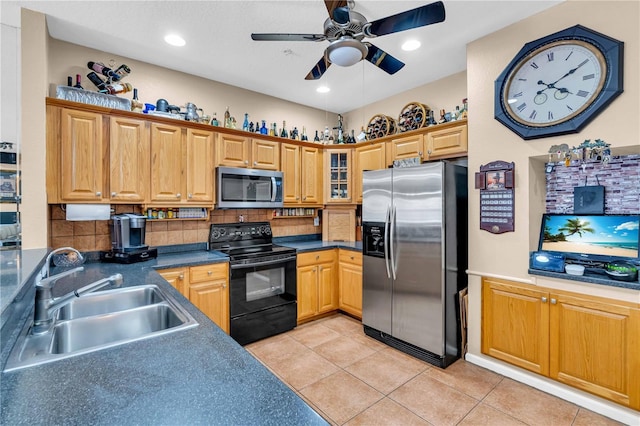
(574, 269)
(621, 271)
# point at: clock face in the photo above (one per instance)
(555, 83)
(559, 83)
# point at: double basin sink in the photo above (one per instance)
(100, 320)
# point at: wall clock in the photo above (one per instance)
(557, 84)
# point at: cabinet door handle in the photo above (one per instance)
(224, 285)
(181, 277)
(113, 194)
(420, 153)
(304, 198)
(178, 195)
(255, 163)
(246, 161)
(321, 269)
(190, 195)
(544, 299)
(317, 257)
(351, 257)
(209, 272)
(98, 194)
(553, 301)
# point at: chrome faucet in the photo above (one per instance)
(46, 304)
(47, 263)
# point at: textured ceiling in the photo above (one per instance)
(219, 46)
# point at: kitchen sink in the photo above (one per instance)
(110, 301)
(101, 320)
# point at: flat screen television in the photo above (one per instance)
(591, 238)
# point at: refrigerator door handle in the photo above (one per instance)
(386, 241)
(392, 225)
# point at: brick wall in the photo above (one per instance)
(621, 179)
(95, 235)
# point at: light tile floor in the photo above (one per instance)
(352, 379)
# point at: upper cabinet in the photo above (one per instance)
(181, 165)
(82, 162)
(368, 157)
(128, 160)
(241, 151)
(302, 171)
(447, 142)
(401, 147)
(338, 182)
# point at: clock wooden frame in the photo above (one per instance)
(610, 54)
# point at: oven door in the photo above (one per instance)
(262, 283)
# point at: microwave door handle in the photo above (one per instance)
(273, 189)
(386, 243)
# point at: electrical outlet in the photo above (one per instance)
(316, 221)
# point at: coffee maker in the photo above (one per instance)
(128, 240)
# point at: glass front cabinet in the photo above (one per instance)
(338, 172)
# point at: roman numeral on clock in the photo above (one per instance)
(534, 65)
(533, 114)
(588, 77)
(522, 106)
(582, 93)
(550, 116)
(550, 56)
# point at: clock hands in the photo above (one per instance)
(553, 85)
(571, 71)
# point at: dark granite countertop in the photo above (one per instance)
(590, 276)
(194, 376)
(312, 243)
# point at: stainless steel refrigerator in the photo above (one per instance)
(415, 258)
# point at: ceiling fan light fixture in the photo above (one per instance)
(346, 51)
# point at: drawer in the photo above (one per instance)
(315, 257)
(198, 274)
(348, 256)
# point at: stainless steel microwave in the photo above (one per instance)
(248, 188)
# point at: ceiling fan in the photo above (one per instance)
(346, 29)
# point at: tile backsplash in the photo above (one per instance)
(621, 179)
(95, 235)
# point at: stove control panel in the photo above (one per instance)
(240, 231)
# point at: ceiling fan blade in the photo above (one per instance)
(383, 60)
(287, 37)
(320, 68)
(341, 15)
(333, 5)
(414, 18)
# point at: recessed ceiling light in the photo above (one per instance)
(322, 89)
(410, 45)
(174, 40)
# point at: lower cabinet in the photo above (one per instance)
(317, 282)
(350, 282)
(587, 342)
(206, 286)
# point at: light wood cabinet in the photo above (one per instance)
(595, 346)
(83, 156)
(368, 157)
(199, 166)
(583, 341)
(447, 142)
(181, 165)
(206, 286)
(515, 325)
(302, 174)
(241, 151)
(209, 291)
(129, 163)
(166, 163)
(317, 283)
(178, 278)
(265, 154)
(338, 169)
(410, 146)
(350, 282)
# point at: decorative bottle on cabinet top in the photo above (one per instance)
(245, 123)
(263, 128)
